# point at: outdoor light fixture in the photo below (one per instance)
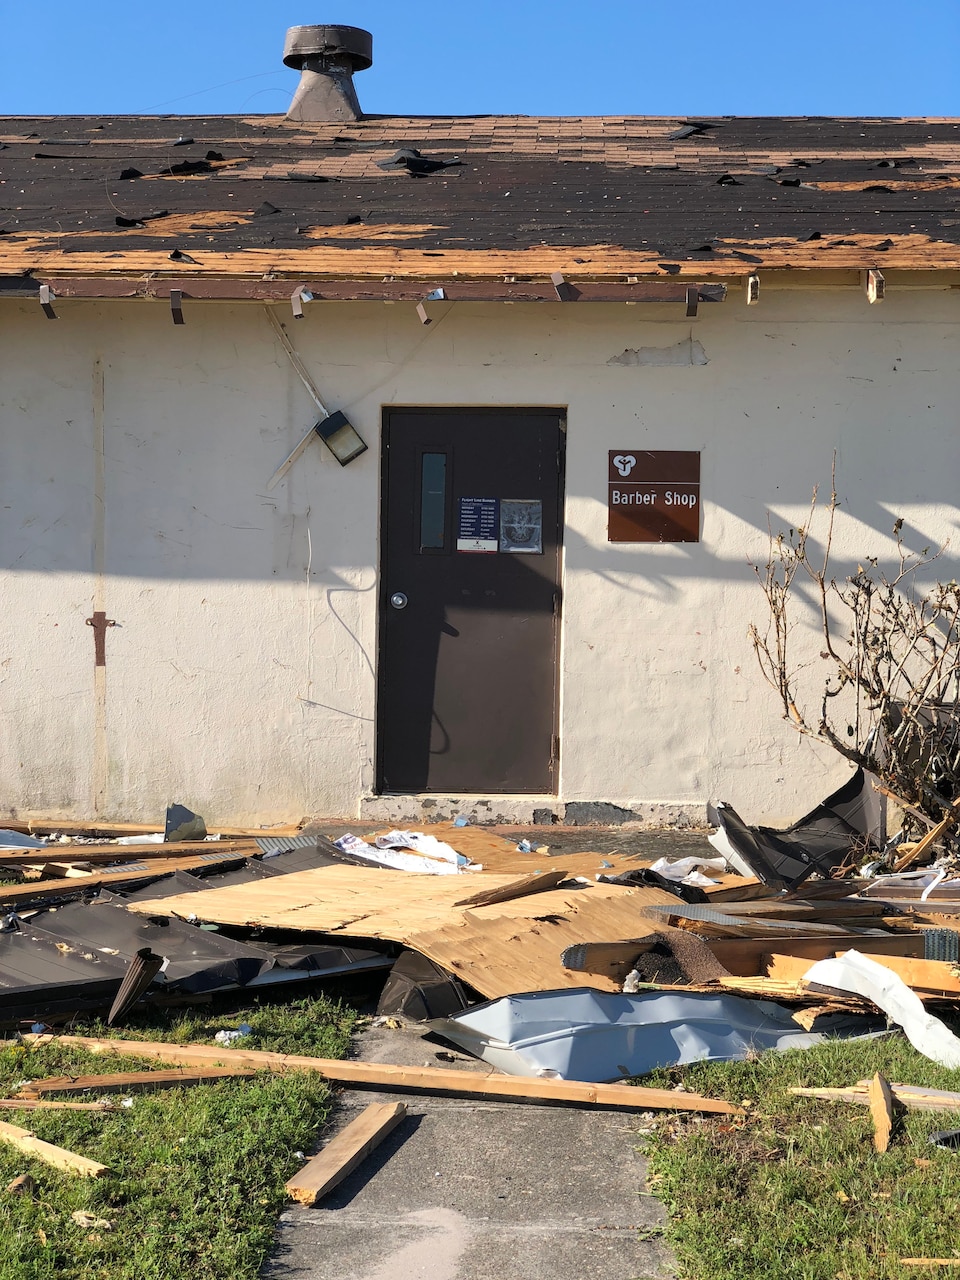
(340, 437)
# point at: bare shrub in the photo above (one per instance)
(884, 691)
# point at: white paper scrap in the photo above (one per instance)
(358, 848)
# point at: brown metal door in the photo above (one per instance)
(470, 600)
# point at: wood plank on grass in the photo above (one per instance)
(377, 1075)
(27, 1103)
(913, 1097)
(343, 1153)
(132, 1081)
(60, 1158)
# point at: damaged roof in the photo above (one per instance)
(472, 198)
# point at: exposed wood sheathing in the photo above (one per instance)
(596, 198)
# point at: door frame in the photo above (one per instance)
(548, 411)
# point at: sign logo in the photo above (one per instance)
(625, 462)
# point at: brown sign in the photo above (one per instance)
(653, 496)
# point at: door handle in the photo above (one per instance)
(398, 600)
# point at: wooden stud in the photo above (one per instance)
(176, 305)
(377, 1075)
(746, 956)
(752, 290)
(345, 1152)
(881, 1109)
(31, 1145)
(130, 874)
(693, 301)
(913, 1097)
(131, 1081)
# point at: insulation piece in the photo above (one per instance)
(865, 977)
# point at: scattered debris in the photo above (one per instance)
(90, 1221)
(949, 1139)
(25, 1185)
(838, 830)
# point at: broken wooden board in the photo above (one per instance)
(129, 873)
(377, 1075)
(518, 945)
(130, 1081)
(105, 853)
(881, 1110)
(31, 1145)
(745, 956)
(913, 1097)
(793, 992)
(925, 977)
(345, 1152)
(25, 1102)
(45, 825)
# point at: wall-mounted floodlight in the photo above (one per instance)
(341, 437)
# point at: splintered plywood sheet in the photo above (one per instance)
(352, 900)
(502, 950)
(499, 949)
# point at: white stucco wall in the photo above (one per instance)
(240, 675)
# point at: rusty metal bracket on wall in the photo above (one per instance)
(100, 622)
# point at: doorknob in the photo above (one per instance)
(398, 600)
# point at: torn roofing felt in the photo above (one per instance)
(840, 827)
(476, 195)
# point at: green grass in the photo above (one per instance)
(196, 1182)
(797, 1192)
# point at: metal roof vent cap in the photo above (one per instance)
(326, 58)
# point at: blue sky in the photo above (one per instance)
(440, 57)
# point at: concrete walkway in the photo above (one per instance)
(477, 1190)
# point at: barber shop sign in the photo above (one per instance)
(653, 496)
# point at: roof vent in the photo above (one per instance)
(326, 58)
